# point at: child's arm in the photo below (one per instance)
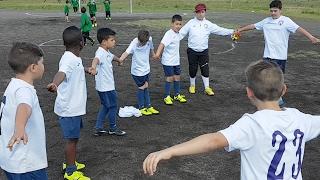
(117, 59)
(313, 39)
(123, 57)
(153, 55)
(93, 69)
(22, 115)
(58, 78)
(201, 144)
(246, 28)
(159, 51)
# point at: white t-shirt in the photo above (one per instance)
(140, 65)
(33, 155)
(104, 78)
(171, 42)
(72, 92)
(269, 139)
(199, 32)
(276, 36)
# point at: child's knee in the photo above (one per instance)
(169, 78)
(176, 77)
(146, 84)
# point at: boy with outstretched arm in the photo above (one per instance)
(169, 49)
(70, 105)
(22, 137)
(102, 69)
(271, 140)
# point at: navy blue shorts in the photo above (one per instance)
(40, 174)
(71, 126)
(171, 70)
(280, 63)
(140, 80)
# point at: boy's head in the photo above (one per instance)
(200, 10)
(72, 38)
(106, 37)
(83, 10)
(24, 57)
(67, 1)
(143, 37)
(176, 22)
(265, 80)
(275, 9)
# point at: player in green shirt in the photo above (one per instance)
(92, 11)
(66, 11)
(75, 5)
(107, 7)
(86, 26)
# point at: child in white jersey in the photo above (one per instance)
(271, 140)
(70, 105)
(198, 30)
(102, 69)
(170, 45)
(276, 30)
(21, 117)
(140, 48)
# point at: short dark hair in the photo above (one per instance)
(143, 37)
(104, 34)
(72, 37)
(276, 4)
(265, 79)
(175, 18)
(83, 9)
(23, 54)
(67, 1)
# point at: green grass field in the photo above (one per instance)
(296, 8)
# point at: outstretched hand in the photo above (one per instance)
(52, 87)
(92, 71)
(120, 62)
(152, 160)
(156, 58)
(315, 40)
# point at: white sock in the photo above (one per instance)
(192, 81)
(205, 81)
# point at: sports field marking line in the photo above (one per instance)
(39, 15)
(62, 53)
(43, 44)
(226, 51)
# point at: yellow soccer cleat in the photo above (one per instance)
(78, 165)
(144, 111)
(209, 91)
(168, 100)
(180, 98)
(192, 89)
(77, 175)
(153, 110)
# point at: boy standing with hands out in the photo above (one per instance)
(169, 48)
(140, 49)
(71, 106)
(21, 117)
(102, 69)
(277, 29)
(271, 140)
